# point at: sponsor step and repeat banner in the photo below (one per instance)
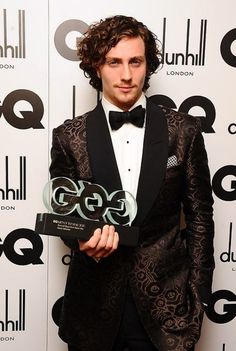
(42, 85)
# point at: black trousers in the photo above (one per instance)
(131, 335)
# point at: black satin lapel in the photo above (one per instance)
(154, 160)
(101, 155)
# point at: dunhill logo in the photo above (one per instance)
(8, 49)
(229, 255)
(8, 193)
(8, 324)
(186, 57)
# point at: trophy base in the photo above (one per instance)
(79, 228)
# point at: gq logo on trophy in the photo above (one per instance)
(76, 210)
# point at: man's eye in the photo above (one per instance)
(112, 63)
(136, 62)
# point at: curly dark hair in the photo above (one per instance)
(105, 34)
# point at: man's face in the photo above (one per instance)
(123, 73)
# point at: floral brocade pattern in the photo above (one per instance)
(69, 150)
(172, 301)
(76, 133)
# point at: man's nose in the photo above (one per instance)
(126, 73)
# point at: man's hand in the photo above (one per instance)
(102, 243)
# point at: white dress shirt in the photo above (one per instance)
(128, 147)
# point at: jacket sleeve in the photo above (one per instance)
(62, 166)
(61, 161)
(198, 211)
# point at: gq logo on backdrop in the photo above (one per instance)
(61, 34)
(228, 312)
(226, 48)
(219, 186)
(193, 101)
(56, 310)
(26, 255)
(232, 128)
(23, 119)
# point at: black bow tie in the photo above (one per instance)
(135, 116)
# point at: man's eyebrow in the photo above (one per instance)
(113, 58)
(139, 57)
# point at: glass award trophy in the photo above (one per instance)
(77, 209)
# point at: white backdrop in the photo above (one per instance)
(42, 85)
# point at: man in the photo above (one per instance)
(150, 297)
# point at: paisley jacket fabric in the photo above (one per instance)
(170, 271)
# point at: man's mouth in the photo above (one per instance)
(125, 88)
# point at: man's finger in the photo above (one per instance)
(92, 242)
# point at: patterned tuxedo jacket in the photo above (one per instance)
(170, 271)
